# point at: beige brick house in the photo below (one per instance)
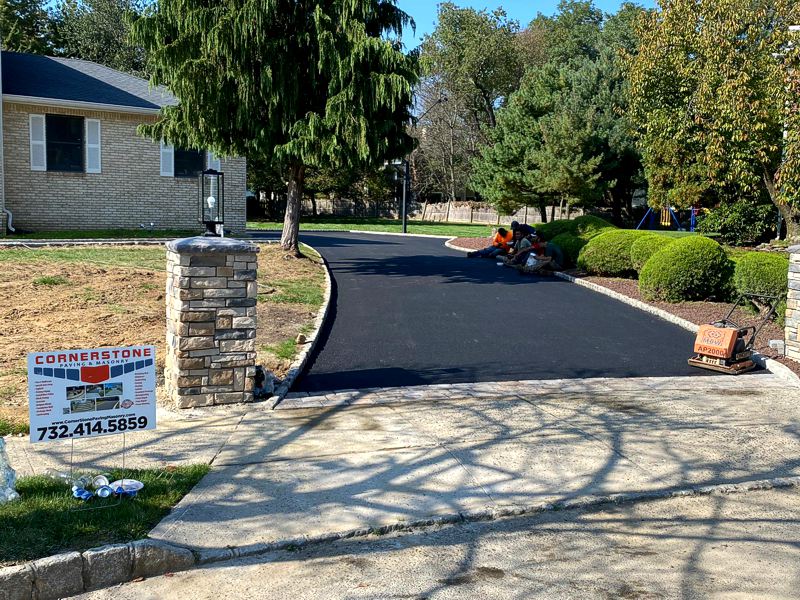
(70, 157)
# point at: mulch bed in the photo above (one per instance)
(700, 313)
(472, 243)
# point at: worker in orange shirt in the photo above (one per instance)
(500, 245)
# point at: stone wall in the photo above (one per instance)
(211, 321)
(793, 306)
(128, 192)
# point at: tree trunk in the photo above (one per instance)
(790, 214)
(616, 208)
(314, 204)
(561, 209)
(553, 211)
(291, 221)
(543, 211)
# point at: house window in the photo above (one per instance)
(188, 163)
(64, 143)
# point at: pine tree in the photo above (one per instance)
(25, 26)
(308, 83)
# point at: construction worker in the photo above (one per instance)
(500, 246)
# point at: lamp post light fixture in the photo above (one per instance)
(211, 203)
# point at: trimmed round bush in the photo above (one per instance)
(690, 268)
(586, 227)
(589, 226)
(610, 253)
(570, 247)
(645, 247)
(761, 273)
(551, 230)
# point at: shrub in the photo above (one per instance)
(644, 247)
(690, 268)
(740, 222)
(763, 273)
(570, 247)
(589, 226)
(610, 253)
(586, 227)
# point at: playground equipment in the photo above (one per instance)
(667, 217)
(724, 346)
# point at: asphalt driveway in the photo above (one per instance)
(409, 311)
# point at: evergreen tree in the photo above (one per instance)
(316, 83)
(25, 26)
(98, 30)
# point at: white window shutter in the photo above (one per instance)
(167, 160)
(213, 161)
(38, 143)
(93, 156)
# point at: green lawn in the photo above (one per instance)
(146, 257)
(382, 225)
(105, 234)
(45, 521)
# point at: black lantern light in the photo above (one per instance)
(212, 201)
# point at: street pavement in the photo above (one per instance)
(409, 311)
(719, 546)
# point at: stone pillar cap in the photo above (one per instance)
(211, 245)
(794, 249)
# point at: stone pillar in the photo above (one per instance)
(793, 305)
(211, 321)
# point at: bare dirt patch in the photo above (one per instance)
(48, 304)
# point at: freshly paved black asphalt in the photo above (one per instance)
(409, 311)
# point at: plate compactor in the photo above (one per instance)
(724, 346)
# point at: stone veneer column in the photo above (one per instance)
(211, 321)
(793, 305)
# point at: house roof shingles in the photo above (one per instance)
(76, 80)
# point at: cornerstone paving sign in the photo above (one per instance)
(86, 393)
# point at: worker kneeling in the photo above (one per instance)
(500, 245)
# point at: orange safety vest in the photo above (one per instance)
(502, 242)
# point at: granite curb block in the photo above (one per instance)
(449, 243)
(762, 361)
(300, 362)
(209, 556)
(73, 573)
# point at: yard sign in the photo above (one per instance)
(87, 393)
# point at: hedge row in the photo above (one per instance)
(573, 234)
(669, 269)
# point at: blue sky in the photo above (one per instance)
(424, 12)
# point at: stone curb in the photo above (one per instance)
(762, 361)
(73, 573)
(299, 363)
(206, 556)
(452, 246)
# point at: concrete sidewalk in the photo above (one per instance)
(350, 460)
(719, 546)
